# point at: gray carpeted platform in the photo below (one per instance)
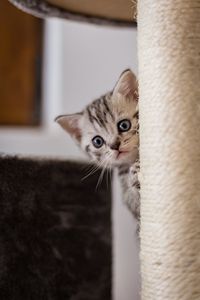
(55, 232)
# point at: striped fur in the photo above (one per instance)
(101, 118)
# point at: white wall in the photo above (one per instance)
(81, 62)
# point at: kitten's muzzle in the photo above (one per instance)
(122, 153)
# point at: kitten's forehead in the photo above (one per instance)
(122, 106)
(99, 115)
(103, 113)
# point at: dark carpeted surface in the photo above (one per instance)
(55, 232)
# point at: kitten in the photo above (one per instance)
(107, 130)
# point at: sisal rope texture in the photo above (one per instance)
(169, 88)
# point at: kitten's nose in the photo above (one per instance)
(115, 145)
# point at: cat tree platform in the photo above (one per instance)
(55, 231)
(112, 12)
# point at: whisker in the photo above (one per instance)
(100, 178)
(104, 164)
(110, 172)
(89, 167)
(94, 170)
(107, 179)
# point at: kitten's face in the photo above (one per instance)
(107, 130)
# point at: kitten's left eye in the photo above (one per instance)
(124, 125)
(98, 141)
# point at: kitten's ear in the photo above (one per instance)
(127, 85)
(70, 123)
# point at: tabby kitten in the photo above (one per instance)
(107, 130)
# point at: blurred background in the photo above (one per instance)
(53, 67)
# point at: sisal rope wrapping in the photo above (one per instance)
(169, 88)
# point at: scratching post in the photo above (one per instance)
(169, 80)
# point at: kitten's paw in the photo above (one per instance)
(133, 197)
(133, 180)
(132, 200)
(131, 188)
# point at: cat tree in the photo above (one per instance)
(169, 88)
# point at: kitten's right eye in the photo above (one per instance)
(98, 141)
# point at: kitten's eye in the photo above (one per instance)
(124, 125)
(97, 141)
